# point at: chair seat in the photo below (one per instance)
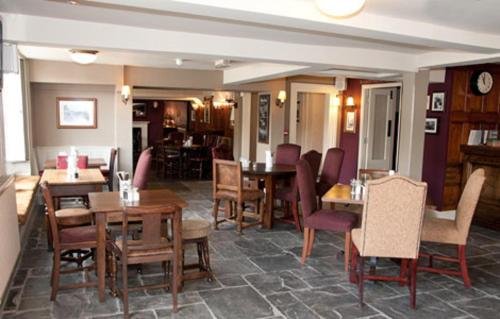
(441, 230)
(136, 248)
(248, 195)
(195, 228)
(287, 193)
(329, 219)
(80, 234)
(73, 216)
(322, 187)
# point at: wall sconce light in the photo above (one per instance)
(350, 101)
(280, 101)
(336, 101)
(125, 94)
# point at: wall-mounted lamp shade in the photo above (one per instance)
(83, 56)
(350, 101)
(125, 94)
(282, 96)
(336, 101)
(340, 8)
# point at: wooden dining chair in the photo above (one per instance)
(391, 227)
(316, 218)
(155, 246)
(330, 173)
(454, 232)
(109, 171)
(227, 184)
(68, 239)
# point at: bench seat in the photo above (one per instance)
(26, 187)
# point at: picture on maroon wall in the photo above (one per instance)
(350, 121)
(431, 125)
(438, 101)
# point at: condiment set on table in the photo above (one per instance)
(128, 193)
(358, 186)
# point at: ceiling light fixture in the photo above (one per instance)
(73, 2)
(179, 61)
(340, 8)
(83, 56)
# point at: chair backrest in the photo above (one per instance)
(332, 165)
(468, 202)
(307, 188)
(142, 169)
(224, 140)
(49, 204)
(371, 174)
(287, 154)
(82, 162)
(210, 140)
(111, 174)
(151, 218)
(176, 137)
(62, 162)
(222, 151)
(227, 176)
(392, 217)
(314, 159)
(198, 138)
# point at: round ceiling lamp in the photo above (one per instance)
(83, 56)
(340, 8)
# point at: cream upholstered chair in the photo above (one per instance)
(455, 232)
(392, 222)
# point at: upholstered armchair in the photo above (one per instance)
(391, 226)
(455, 232)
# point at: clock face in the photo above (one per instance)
(482, 82)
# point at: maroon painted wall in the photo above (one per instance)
(155, 118)
(436, 145)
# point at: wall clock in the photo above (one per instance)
(481, 82)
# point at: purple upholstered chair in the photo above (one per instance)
(287, 154)
(331, 171)
(290, 195)
(142, 169)
(322, 219)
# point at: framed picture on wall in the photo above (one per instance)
(139, 109)
(431, 125)
(264, 108)
(76, 112)
(350, 121)
(438, 102)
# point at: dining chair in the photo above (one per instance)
(82, 161)
(198, 138)
(330, 173)
(287, 154)
(222, 151)
(142, 169)
(227, 184)
(171, 162)
(155, 246)
(454, 232)
(176, 137)
(290, 195)
(109, 171)
(316, 218)
(68, 240)
(198, 159)
(391, 227)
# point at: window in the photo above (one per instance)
(13, 117)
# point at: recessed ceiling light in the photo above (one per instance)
(340, 8)
(83, 56)
(73, 2)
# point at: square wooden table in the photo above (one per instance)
(108, 207)
(341, 194)
(62, 185)
(93, 163)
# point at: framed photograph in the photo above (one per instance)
(350, 121)
(431, 125)
(264, 108)
(428, 107)
(438, 102)
(139, 109)
(76, 112)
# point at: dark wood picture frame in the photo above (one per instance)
(91, 107)
(350, 121)
(264, 109)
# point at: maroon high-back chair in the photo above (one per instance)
(314, 159)
(82, 162)
(317, 218)
(176, 138)
(198, 138)
(287, 154)
(142, 169)
(62, 162)
(331, 170)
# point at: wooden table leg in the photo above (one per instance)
(101, 255)
(268, 217)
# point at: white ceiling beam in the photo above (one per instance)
(260, 72)
(303, 15)
(449, 59)
(44, 31)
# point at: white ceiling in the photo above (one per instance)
(266, 37)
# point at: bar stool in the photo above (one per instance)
(196, 232)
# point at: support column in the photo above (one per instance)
(246, 130)
(123, 127)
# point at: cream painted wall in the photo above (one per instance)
(9, 237)
(311, 125)
(45, 129)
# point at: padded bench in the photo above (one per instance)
(26, 187)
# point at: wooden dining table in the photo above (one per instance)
(93, 163)
(108, 207)
(269, 175)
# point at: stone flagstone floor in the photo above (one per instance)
(258, 275)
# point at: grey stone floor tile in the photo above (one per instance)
(237, 303)
(322, 300)
(194, 311)
(34, 314)
(269, 283)
(486, 307)
(231, 281)
(290, 307)
(276, 263)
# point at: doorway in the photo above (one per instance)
(310, 112)
(379, 138)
